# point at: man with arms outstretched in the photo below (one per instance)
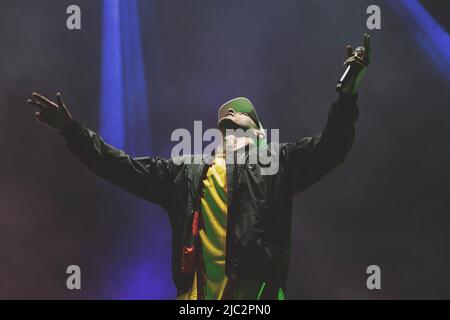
(231, 224)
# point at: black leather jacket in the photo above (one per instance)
(259, 206)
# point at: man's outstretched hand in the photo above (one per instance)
(54, 115)
(360, 59)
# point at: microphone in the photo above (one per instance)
(350, 71)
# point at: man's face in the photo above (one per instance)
(236, 120)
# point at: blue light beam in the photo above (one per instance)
(124, 123)
(112, 126)
(431, 37)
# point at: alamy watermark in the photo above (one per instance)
(374, 20)
(374, 280)
(73, 281)
(237, 145)
(73, 21)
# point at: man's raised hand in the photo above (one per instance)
(54, 115)
(360, 60)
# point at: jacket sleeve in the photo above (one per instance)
(147, 177)
(310, 158)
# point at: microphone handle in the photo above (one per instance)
(346, 77)
(350, 71)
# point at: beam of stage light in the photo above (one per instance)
(134, 84)
(124, 123)
(431, 37)
(112, 126)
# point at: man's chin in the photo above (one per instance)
(227, 123)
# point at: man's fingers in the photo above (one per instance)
(40, 117)
(37, 114)
(367, 42)
(59, 100)
(37, 104)
(349, 51)
(61, 105)
(44, 100)
(354, 60)
(367, 49)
